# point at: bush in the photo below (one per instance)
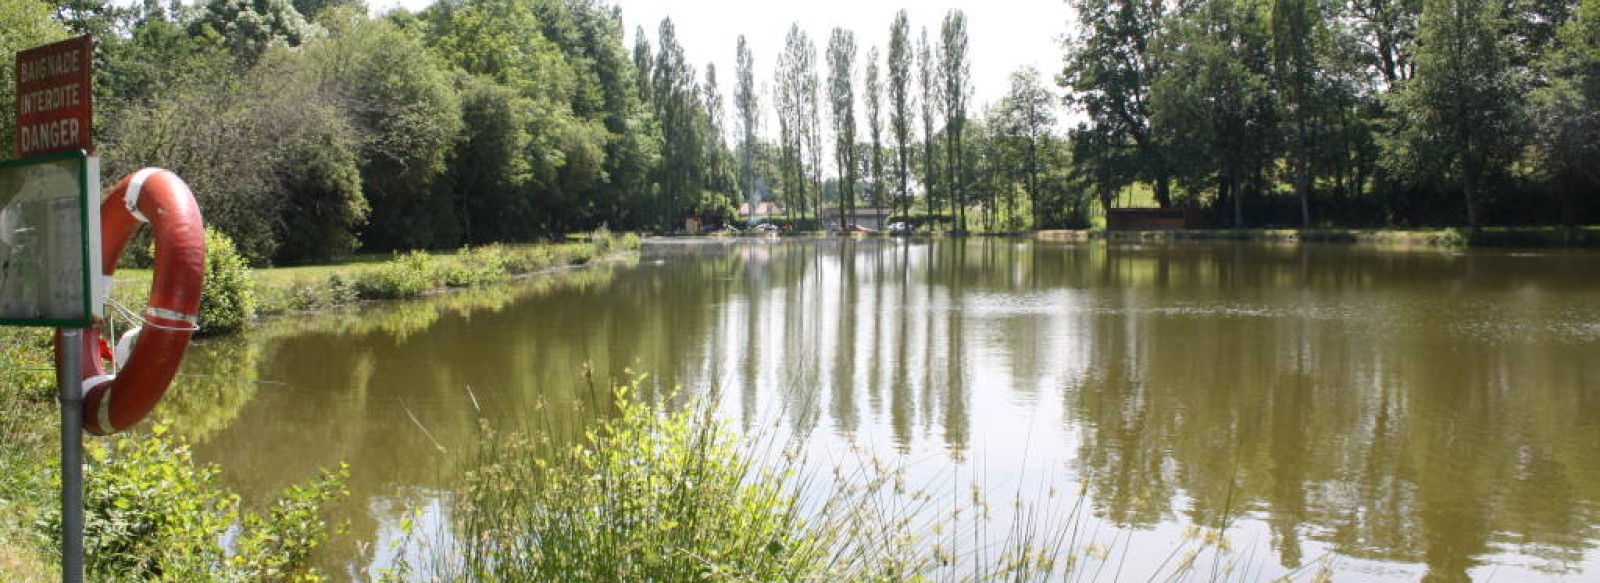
(527, 260)
(476, 266)
(152, 513)
(227, 298)
(406, 276)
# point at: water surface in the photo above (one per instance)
(1393, 414)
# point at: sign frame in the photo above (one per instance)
(88, 207)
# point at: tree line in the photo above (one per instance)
(310, 129)
(1367, 112)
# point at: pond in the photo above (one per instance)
(1386, 414)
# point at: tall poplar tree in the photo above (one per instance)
(811, 120)
(928, 80)
(796, 100)
(744, 100)
(900, 115)
(874, 89)
(841, 98)
(677, 104)
(955, 75)
(720, 177)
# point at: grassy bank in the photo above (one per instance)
(1493, 237)
(153, 512)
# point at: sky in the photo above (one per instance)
(1005, 35)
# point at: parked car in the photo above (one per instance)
(899, 227)
(766, 228)
(857, 228)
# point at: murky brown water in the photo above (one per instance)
(1393, 414)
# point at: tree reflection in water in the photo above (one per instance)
(1417, 412)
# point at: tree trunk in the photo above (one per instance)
(1164, 187)
(1236, 188)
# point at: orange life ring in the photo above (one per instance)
(158, 197)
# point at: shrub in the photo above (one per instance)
(578, 254)
(406, 276)
(475, 266)
(152, 513)
(227, 298)
(529, 259)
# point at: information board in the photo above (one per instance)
(54, 109)
(48, 252)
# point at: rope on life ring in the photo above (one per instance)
(158, 197)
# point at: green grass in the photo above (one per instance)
(282, 290)
(28, 442)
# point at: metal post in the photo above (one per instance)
(69, 376)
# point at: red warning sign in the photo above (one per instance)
(53, 99)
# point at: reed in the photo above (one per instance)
(654, 491)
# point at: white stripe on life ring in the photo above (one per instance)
(103, 415)
(132, 196)
(165, 314)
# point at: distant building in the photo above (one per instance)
(1149, 219)
(763, 210)
(871, 217)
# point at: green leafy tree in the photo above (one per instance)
(811, 122)
(1567, 113)
(407, 119)
(1216, 97)
(633, 141)
(508, 42)
(323, 208)
(1460, 117)
(489, 169)
(1022, 125)
(102, 19)
(1110, 68)
(27, 24)
(243, 144)
(1388, 29)
(1295, 28)
(252, 27)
